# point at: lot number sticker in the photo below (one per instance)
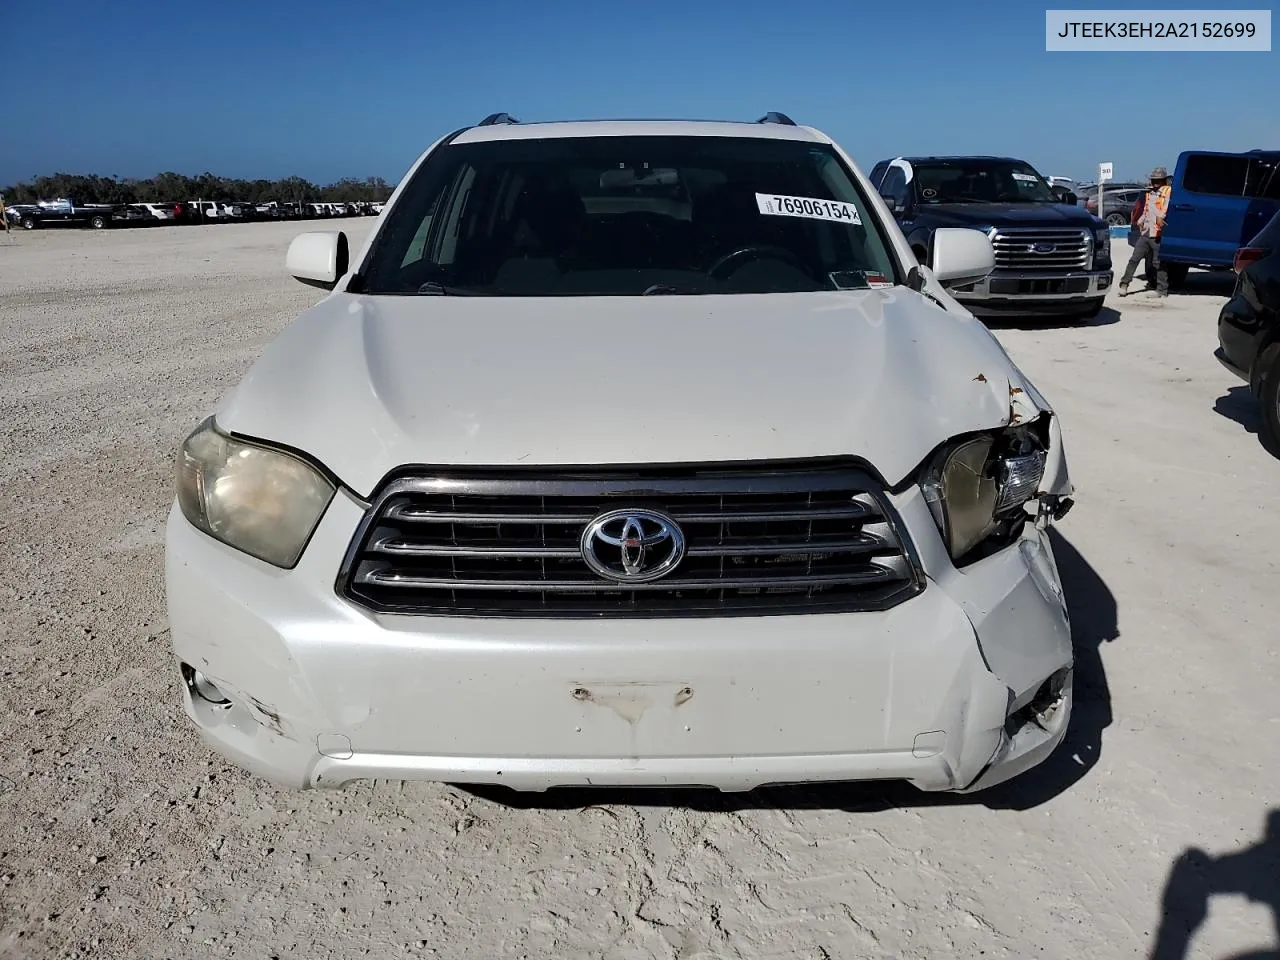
(1024, 177)
(773, 205)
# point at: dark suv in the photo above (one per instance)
(1249, 324)
(1052, 258)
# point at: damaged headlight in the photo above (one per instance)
(262, 501)
(978, 488)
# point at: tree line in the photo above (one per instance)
(175, 187)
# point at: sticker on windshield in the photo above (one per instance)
(773, 205)
(1024, 177)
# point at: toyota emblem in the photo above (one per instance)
(632, 546)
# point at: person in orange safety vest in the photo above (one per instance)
(1155, 208)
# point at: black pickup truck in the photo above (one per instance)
(1053, 258)
(54, 213)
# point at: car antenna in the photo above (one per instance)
(496, 118)
(774, 117)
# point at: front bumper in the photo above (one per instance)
(322, 692)
(1006, 291)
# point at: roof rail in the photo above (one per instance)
(774, 117)
(495, 118)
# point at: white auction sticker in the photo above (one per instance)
(814, 209)
(1024, 177)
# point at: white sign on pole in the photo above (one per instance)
(1104, 174)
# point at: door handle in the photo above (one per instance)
(1183, 206)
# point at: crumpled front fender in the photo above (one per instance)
(1056, 482)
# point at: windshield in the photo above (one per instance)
(625, 216)
(980, 180)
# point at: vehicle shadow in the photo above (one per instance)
(1197, 876)
(1241, 406)
(1205, 283)
(1094, 621)
(1106, 316)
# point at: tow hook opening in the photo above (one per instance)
(1042, 709)
(202, 687)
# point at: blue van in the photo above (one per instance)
(1219, 202)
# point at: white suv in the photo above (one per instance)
(627, 453)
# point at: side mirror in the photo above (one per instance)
(318, 259)
(961, 255)
(890, 202)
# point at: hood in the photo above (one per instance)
(368, 384)
(1011, 214)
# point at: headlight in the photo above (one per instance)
(1102, 242)
(250, 497)
(978, 488)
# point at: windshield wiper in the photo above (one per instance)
(434, 288)
(660, 288)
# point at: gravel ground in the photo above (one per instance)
(122, 837)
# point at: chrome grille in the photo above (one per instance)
(758, 541)
(1015, 249)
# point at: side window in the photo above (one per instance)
(895, 186)
(1216, 174)
(1264, 177)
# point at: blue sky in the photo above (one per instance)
(329, 89)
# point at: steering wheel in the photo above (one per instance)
(730, 262)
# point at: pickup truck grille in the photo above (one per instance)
(1031, 249)
(756, 541)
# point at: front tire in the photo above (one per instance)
(1117, 220)
(28, 223)
(98, 223)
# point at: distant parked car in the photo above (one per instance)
(205, 210)
(171, 212)
(131, 215)
(1249, 324)
(1117, 203)
(1219, 201)
(159, 211)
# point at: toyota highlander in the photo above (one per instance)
(627, 453)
